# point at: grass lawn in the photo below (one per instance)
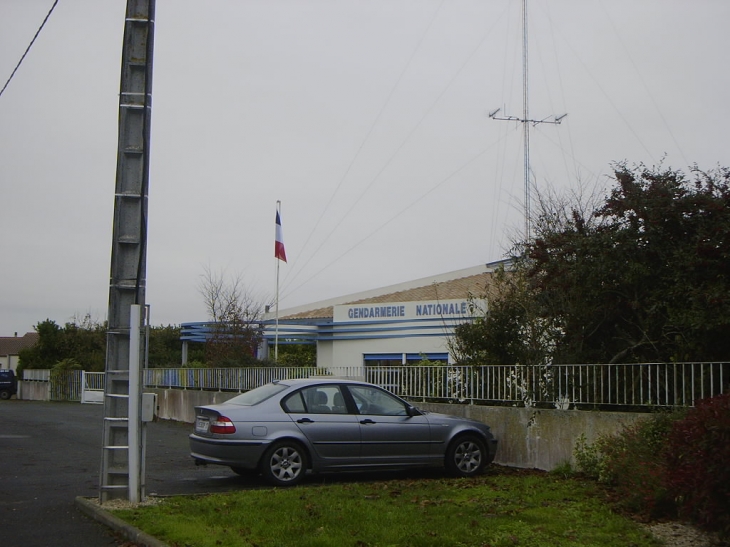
(502, 508)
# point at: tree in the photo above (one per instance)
(642, 275)
(47, 351)
(297, 355)
(83, 341)
(512, 332)
(236, 316)
(165, 348)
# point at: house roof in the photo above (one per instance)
(463, 287)
(11, 345)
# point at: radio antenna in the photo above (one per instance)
(526, 121)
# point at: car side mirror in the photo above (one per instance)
(413, 411)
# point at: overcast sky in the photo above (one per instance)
(368, 119)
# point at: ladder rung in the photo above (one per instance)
(118, 471)
(115, 447)
(114, 486)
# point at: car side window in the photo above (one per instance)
(323, 399)
(370, 400)
(294, 404)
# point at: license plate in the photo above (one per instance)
(202, 425)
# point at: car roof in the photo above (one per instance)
(319, 380)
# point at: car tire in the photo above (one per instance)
(466, 456)
(284, 463)
(5, 394)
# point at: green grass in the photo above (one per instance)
(501, 508)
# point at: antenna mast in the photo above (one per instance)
(526, 121)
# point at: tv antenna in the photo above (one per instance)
(526, 121)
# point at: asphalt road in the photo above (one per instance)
(50, 453)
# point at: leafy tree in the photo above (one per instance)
(642, 275)
(165, 347)
(83, 341)
(47, 351)
(297, 355)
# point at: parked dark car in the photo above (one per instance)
(8, 384)
(287, 427)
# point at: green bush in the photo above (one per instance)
(633, 463)
(699, 464)
(588, 459)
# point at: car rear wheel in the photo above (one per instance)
(466, 456)
(284, 464)
(5, 394)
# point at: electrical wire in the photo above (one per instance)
(28, 48)
(399, 214)
(365, 140)
(289, 281)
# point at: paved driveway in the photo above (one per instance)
(51, 452)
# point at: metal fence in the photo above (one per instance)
(66, 385)
(559, 386)
(222, 379)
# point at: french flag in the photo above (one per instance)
(279, 251)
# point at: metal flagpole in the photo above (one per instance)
(276, 333)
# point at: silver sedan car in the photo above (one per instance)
(284, 428)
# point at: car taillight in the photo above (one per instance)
(222, 425)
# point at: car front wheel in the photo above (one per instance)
(5, 394)
(466, 456)
(284, 464)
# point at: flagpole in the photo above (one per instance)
(276, 332)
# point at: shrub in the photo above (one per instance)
(588, 459)
(699, 468)
(632, 462)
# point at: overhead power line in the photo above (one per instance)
(28, 48)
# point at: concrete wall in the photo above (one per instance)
(538, 438)
(528, 438)
(34, 391)
(179, 404)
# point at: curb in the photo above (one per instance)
(95, 511)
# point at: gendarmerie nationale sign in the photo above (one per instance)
(391, 311)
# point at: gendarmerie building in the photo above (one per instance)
(394, 325)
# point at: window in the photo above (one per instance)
(370, 400)
(322, 399)
(255, 396)
(383, 359)
(398, 359)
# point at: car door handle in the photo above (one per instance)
(367, 421)
(305, 421)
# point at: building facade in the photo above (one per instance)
(394, 325)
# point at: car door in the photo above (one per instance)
(321, 415)
(389, 434)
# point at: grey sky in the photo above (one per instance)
(367, 119)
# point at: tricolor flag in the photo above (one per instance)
(279, 251)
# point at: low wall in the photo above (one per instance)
(179, 404)
(34, 391)
(528, 438)
(538, 438)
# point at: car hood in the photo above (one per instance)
(435, 417)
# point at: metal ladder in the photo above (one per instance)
(129, 238)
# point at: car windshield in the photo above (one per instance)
(255, 396)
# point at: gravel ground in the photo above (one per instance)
(676, 534)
